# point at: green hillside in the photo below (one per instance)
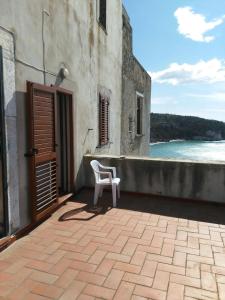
(166, 127)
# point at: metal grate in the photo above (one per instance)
(103, 120)
(46, 185)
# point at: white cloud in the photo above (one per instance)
(210, 71)
(218, 97)
(215, 110)
(161, 100)
(194, 26)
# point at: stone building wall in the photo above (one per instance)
(73, 39)
(135, 80)
(10, 124)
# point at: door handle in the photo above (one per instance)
(35, 150)
(31, 152)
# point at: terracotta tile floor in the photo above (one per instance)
(144, 249)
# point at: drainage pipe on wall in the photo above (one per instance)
(3, 157)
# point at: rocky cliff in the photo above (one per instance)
(166, 127)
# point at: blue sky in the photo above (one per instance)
(182, 44)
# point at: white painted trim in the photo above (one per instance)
(97, 10)
(139, 94)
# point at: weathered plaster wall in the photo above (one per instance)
(6, 41)
(73, 38)
(1, 200)
(134, 79)
(178, 179)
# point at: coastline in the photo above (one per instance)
(189, 150)
(170, 141)
(180, 140)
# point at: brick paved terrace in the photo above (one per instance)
(147, 248)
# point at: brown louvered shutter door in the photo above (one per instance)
(103, 120)
(42, 152)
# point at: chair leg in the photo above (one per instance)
(101, 191)
(114, 194)
(96, 194)
(118, 191)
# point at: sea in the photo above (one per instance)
(189, 150)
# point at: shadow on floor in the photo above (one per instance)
(178, 208)
(90, 213)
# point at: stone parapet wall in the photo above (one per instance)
(170, 178)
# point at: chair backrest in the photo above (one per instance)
(95, 166)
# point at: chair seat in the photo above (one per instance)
(106, 181)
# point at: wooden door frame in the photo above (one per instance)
(71, 133)
(54, 90)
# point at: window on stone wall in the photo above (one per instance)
(102, 13)
(139, 114)
(103, 120)
(130, 124)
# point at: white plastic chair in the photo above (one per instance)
(100, 183)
